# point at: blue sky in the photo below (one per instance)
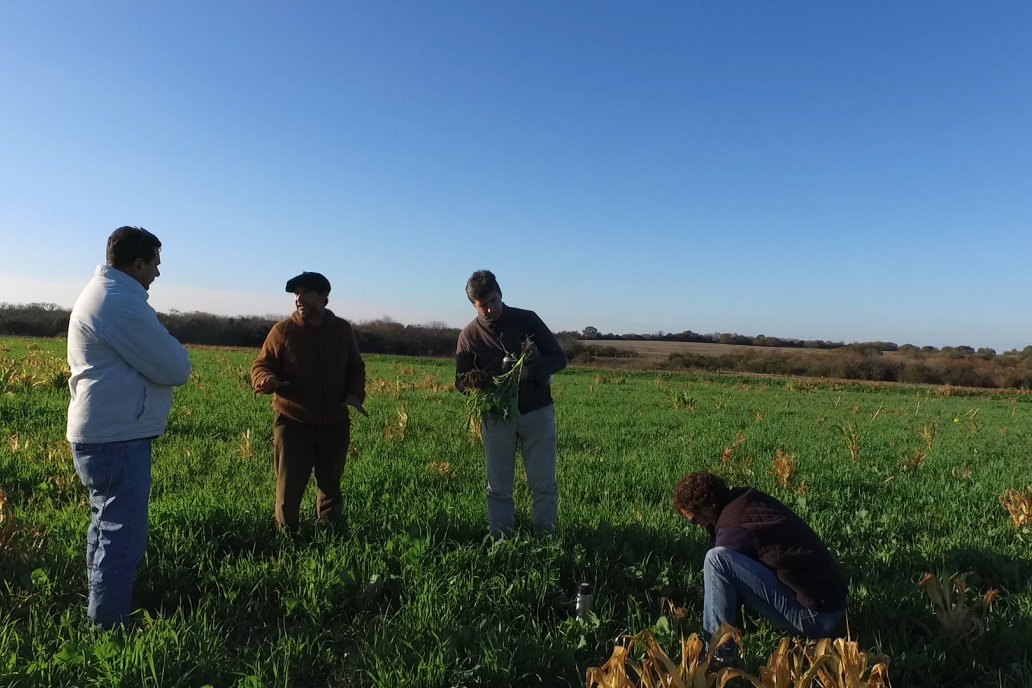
(823, 170)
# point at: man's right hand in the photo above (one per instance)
(475, 379)
(270, 384)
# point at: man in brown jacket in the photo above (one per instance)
(311, 364)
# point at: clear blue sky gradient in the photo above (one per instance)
(843, 171)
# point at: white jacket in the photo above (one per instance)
(124, 362)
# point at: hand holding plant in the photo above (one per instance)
(497, 396)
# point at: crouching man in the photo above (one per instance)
(763, 556)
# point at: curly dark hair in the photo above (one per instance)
(701, 490)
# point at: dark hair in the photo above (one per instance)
(126, 244)
(701, 490)
(480, 285)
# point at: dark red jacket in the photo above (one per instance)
(759, 526)
(483, 344)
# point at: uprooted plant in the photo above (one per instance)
(496, 396)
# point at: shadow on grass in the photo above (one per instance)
(890, 611)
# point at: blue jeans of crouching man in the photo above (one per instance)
(535, 433)
(731, 579)
(118, 476)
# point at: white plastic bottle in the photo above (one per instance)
(585, 601)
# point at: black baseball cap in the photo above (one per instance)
(309, 280)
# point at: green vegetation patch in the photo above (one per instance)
(898, 480)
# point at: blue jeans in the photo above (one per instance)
(731, 579)
(535, 432)
(118, 476)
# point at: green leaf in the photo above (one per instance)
(70, 653)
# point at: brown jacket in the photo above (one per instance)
(322, 365)
(759, 526)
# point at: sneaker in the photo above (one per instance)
(727, 656)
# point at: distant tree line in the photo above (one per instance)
(382, 336)
(949, 365)
(592, 333)
(760, 340)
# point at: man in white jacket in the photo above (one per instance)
(124, 364)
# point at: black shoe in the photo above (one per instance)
(727, 656)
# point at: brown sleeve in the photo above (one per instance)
(268, 363)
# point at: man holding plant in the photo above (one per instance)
(311, 364)
(763, 556)
(504, 361)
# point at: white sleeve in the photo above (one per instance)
(140, 338)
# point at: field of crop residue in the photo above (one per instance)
(900, 481)
(652, 353)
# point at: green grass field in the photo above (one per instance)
(413, 595)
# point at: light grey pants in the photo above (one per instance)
(535, 433)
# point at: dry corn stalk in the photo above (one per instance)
(684, 400)
(442, 468)
(1019, 506)
(826, 663)
(38, 369)
(841, 664)
(787, 668)
(400, 428)
(959, 617)
(640, 662)
(669, 608)
(245, 448)
(475, 430)
(914, 462)
(928, 433)
(429, 382)
(729, 451)
(784, 467)
(8, 525)
(851, 433)
(11, 532)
